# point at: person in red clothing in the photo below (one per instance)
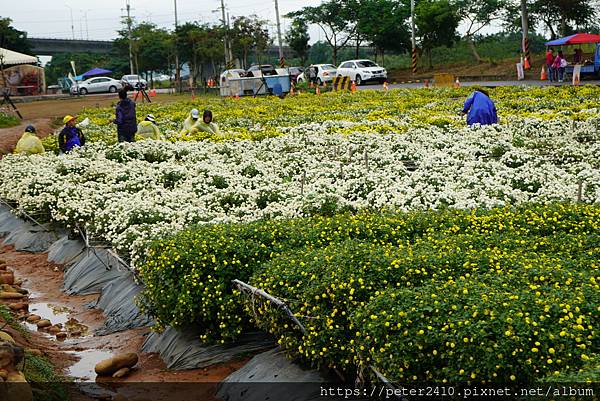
(549, 62)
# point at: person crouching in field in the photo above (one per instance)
(480, 108)
(71, 136)
(193, 124)
(125, 118)
(148, 129)
(29, 144)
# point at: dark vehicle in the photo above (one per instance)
(295, 73)
(261, 70)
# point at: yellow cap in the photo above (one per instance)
(68, 118)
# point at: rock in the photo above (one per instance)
(10, 295)
(121, 373)
(75, 333)
(33, 318)
(18, 306)
(54, 330)
(43, 323)
(61, 336)
(18, 282)
(22, 392)
(22, 291)
(110, 366)
(4, 336)
(7, 278)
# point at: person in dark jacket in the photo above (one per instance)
(71, 136)
(125, 118)
(481, 109)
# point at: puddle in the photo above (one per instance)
(83, 370)
(58, 315)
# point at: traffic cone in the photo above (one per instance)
(353, 87)
(318, 91)
(457, 83)
(292, 92)
(526, 64)
(385, 86)
(543, 74)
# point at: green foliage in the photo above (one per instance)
(297, 37)
(7, 121)
(500, 295)
(13, 39)
(60, 65)
(436, 22)
(249, 33)
(418, 295)
(382, 23)
(47, 385)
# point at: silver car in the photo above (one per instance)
(134, 82)
(97, 85)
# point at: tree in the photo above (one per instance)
(249, 33)
(382, 23)
(478, 15)
(436, 22)
(297, 38)
(151, 47)
(13, 39)
(60, 64)
(334, 17)
(561, 16)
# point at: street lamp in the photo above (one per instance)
(72, 26)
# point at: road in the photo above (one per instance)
(489, 84)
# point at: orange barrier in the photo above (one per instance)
(353, 87)
(543, 74)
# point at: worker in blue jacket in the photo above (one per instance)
(126, 119)
(481, 109)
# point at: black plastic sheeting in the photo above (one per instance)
(272, 376)
(117, 302)
(182, 349)
(92, 272)
(9, 222)
(66, 251)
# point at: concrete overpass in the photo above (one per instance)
(50, 47)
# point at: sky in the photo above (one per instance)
(99, 20)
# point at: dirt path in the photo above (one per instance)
(77, 355)
(10, 136)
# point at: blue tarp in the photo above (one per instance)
(96, 71)
(560, 41)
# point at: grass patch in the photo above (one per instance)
(7, 121)
(47, 385)
(8, 319)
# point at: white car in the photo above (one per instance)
(361, 71)
(96, 85)
(325, 73)
(134, 82)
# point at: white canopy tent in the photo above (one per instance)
(10, 57)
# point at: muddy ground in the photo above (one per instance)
(77, 355)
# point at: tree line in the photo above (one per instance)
(347, 25)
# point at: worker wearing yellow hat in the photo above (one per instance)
(71, 136)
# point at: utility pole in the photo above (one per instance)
(525, 28)
(229, 42)
(177, 71)
(128, 7)
(226, 41)
(279, 30)
(413, 38)
(72, 26)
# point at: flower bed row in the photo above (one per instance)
(365, 111)
(128, 194)
(496, 295)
